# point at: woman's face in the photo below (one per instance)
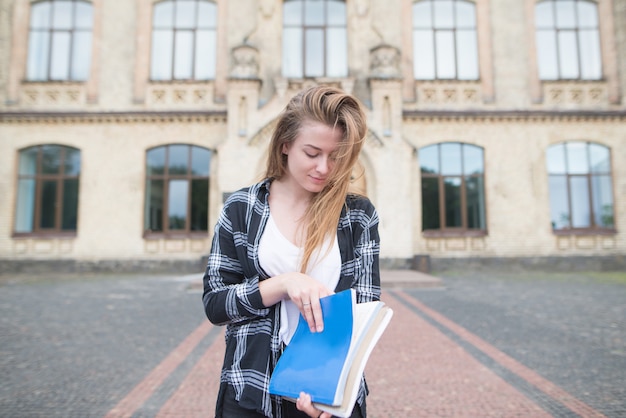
(310, 157)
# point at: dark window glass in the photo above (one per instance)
(59, 44)
(48, 204)
(199, 205)
(568, 40)
(453, 191)
(184, 40)
(445, 44)
(315, 38)
(177, 189)
(154, 205)
(580, 186)
(452, 187)
(70, 205)
(47, 191)
(430, 203)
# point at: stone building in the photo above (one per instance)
(497, 129)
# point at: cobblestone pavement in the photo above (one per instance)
(482, 344)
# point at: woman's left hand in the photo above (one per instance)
(304, 404)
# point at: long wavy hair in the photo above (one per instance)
(335, 109)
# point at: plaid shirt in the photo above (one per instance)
(231, 289)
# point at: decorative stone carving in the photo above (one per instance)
(384, 62)
(245, 62)
(448, 93)
(180, 95)
(575, 94)
(53, 95)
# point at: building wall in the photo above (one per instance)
(118, 114)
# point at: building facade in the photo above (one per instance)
(497, 129)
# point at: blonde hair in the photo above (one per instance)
(335, 109)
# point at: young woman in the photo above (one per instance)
(282, 244)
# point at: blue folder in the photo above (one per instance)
(313, 362)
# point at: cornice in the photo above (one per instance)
(514, 115)
(114, 117)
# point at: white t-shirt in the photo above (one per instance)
(278, 255)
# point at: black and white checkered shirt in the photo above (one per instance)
(231, 289)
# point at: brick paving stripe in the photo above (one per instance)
(197, 394)
(127, 406)
(416, 371)
(549, 388)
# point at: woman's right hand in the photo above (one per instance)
(303, 290)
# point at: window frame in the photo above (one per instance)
(410, 86)
(18, 61)
(324, 28)
(177, 30)
(141, 70)
(59, 201)
(576, 31)
(454, 29)
(166, 177)
(593, 228)
(454, 231)
(51, 30)
(608, 42)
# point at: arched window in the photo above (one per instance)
(568, 40)
(453, 187)
(47, 190)
(581, 189)
(177, 189)
(184, 40)
(59, 42)
(444, 40)
(315, 42)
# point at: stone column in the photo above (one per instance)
(392, 161)
(238, 161)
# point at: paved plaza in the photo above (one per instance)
(461, 344)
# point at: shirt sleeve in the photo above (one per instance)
(367, 251)
(230, 296)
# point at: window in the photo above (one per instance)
(184, 40)
(177, 189)
(568, 40)
(314, 39)
(580, 184)
(47, 189)
(453, 187)
(444, 40)
(59, 42)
